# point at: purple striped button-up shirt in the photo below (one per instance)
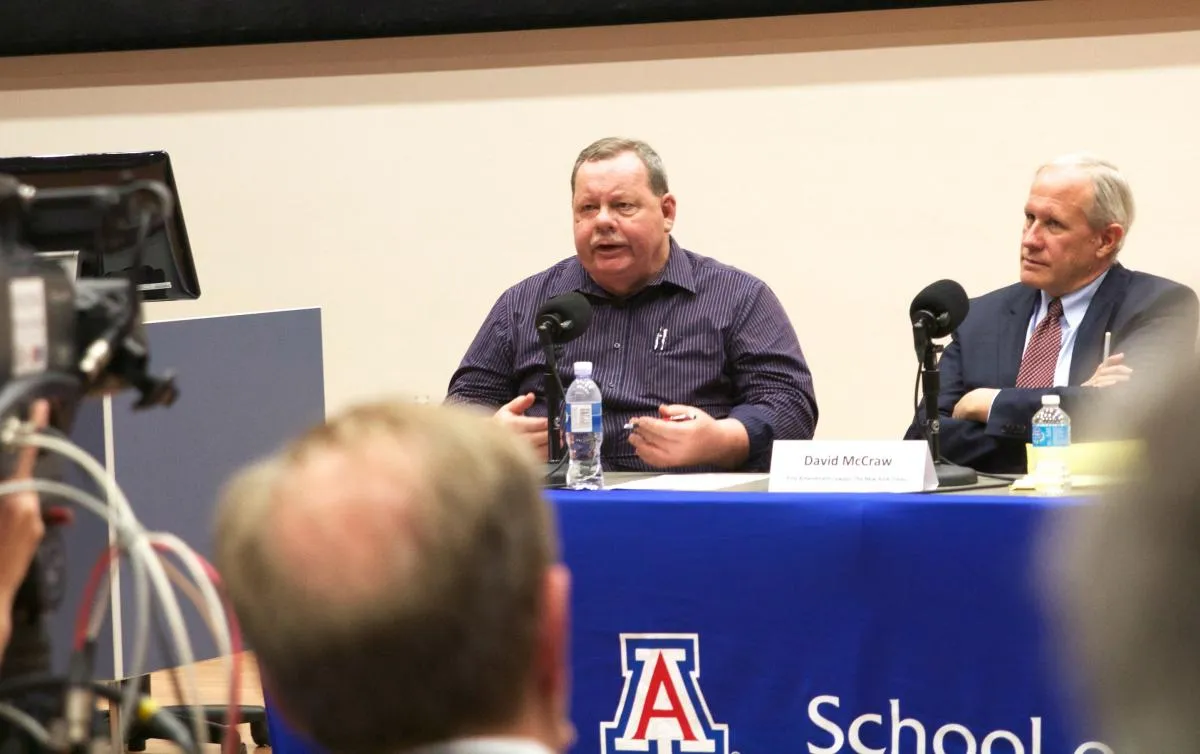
(701, 333)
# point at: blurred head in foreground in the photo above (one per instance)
(396, 572)
(1124, 579)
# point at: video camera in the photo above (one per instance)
(65, 339)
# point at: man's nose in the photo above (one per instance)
(1032, 237)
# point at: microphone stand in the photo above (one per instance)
(556, 470)
(948, 474)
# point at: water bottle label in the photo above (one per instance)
(585, 417)
(1051, 435)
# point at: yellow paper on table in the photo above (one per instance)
(1092, 464)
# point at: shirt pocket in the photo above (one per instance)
(688, 366)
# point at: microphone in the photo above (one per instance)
(564, 318)
(559, 320)
(936, 312)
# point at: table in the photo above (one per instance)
(767, 623)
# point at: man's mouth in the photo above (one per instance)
(608, 248)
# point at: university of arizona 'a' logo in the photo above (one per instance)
(662, 708)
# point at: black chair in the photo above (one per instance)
(215, 716)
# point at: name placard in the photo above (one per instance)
(851, 466)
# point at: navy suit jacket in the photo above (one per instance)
(1153, 321)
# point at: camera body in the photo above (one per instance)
(65, 340)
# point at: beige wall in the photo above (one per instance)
(848, 159)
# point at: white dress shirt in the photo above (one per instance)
(485, 745)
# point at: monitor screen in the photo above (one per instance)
(166, 270)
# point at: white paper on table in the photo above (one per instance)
(689, 482)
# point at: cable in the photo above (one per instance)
(150, 570)
(224, 629)
(923, 426)
(139, 547)
(95, 595)
(181, 582)
(972, 488)
(1007, 478)
(917, 398)
(561, 390)
(172, 663)
(558, 466)
(210, 604)
(221, 619)
(233, 711)
(140, 544)
(26, 722)
(562, 423)
(127, 533)
(147, 710)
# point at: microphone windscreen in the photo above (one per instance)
(573, 307)
(946, 301)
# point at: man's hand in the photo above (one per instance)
(664, 443)
(976, 405)
(21, 528)
(1110, 372)
(532, 428)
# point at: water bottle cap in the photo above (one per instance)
(583, 369)
(1050, 400)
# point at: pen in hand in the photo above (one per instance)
(675, 418)
(1107, 344)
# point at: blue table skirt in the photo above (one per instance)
(774, 623)
(810, 611)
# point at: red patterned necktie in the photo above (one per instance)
(1041, 355)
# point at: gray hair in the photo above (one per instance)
(425, 629)
(612, 146)
(1112, 199)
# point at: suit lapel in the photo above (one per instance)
(1089, 342)
(1012, 334)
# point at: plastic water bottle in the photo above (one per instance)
(585, 431)
(1052, 438)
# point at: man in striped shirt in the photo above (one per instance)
(673, 334)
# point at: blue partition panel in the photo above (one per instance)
(247, 383)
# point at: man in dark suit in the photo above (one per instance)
(1046, 334)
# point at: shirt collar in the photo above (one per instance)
(677, 271)
(485, 745)
(1075, 304)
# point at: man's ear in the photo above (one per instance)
(668, 210)
(1110, 241)
(553, 658)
